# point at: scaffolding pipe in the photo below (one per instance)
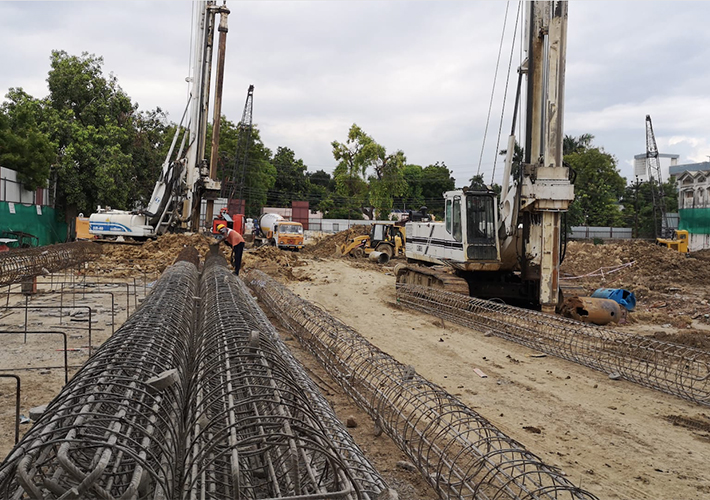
(664, 366)
(460, 453)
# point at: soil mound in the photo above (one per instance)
(326, 247)
(154, 256)
(654, 267)
(275, 262)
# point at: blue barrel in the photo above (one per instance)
(622, 297)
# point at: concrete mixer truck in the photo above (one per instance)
(276, 231)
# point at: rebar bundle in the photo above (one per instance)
(671, 368)
(460, 453)
(114, 431)
(18, 265)
(253, 430)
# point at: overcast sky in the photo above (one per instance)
(416, 76)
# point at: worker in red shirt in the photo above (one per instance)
(234, 240)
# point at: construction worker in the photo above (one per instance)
(234, 240)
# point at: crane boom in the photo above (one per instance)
(653, 164)
(234, 184)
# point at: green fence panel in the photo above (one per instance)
(695, 220)
(26, 219)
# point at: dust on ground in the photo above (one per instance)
(618, 439)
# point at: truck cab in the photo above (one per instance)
(289, 235)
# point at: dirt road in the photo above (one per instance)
(612, 437)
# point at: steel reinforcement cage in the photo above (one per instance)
(459, 452)
(667, 367)
(17, 265)
(257, 428)
(114, 431)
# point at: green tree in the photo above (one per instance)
(387, 182)
(92, 125)
(291, 180)
(413, 197)
(598, 188)
(571, 144)
(25, 145)
(358, 153)
(436, 180)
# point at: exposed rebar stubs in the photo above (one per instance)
(667, 367)
(461, 454)
(24, 263)
(115, 430)
(254, 432)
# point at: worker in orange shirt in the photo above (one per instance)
(234, 240)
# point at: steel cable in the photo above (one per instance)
(667, 367)
(460, 453)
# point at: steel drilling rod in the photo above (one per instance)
(667, 367)
(460, 453)
(253, 430)
(24, 263)
(115, 430)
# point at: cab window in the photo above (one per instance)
(456, 219)
(480, 216)
(448, 216)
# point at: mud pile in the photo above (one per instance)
(327, 246)
(654, 267)
(275, 262)
(118, 260)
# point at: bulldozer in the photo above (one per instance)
(385, 237)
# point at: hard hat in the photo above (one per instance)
(220, 227)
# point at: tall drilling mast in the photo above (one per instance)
(654, 175)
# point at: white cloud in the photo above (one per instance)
(416, 76)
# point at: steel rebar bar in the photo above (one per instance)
(460, 453)
(667, 367)
(18, 265)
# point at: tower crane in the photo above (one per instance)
(654, 176)
(234, 183)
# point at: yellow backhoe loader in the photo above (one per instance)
(385, 237)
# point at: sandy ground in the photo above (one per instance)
(40, 361)
(611, 437)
